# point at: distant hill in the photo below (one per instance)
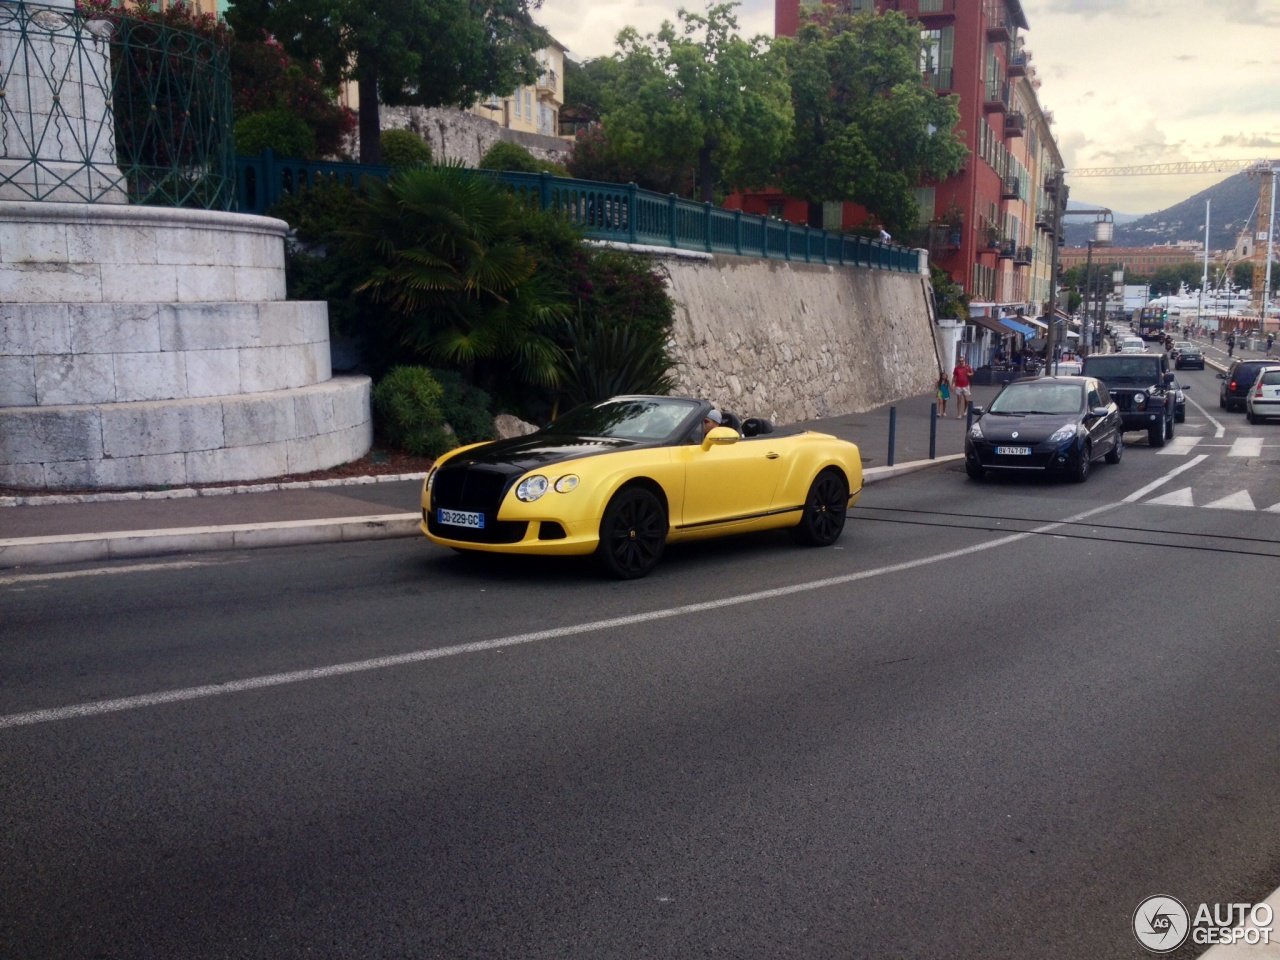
(1233, 201)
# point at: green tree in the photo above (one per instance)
(697, 94)
(867, 127)
(425, 52)
(588, 88)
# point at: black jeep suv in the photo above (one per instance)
(1141, 385)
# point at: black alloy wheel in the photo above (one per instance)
(1081, 473)
(633, 534)
(1116, 452)
(822, 521)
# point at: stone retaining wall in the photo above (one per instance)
(455, 135)
(794, 341)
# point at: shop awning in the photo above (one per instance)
(1021, 328)
(988, 324)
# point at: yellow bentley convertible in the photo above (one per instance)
(624, 477)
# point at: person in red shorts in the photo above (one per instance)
(960, 381)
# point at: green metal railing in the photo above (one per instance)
(606, 211)
(96, 105)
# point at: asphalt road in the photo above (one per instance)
(986, 725)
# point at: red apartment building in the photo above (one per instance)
(1000, 249)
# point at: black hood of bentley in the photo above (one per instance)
(1030, 428)
(518, 455)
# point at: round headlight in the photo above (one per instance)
(531, 488)
(1139, 399)
(565, 484)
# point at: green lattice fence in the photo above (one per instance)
(98, 106)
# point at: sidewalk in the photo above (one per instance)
(70, 529)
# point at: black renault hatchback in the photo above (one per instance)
(1048, 425)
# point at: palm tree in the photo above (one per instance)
(464, 289)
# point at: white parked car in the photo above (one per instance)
(1064, 368)
(1133, 345)
(1264, 399)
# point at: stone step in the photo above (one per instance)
(179, 442)
(55, 354)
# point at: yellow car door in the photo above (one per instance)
(729, 480)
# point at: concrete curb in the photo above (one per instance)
(132, 544)
(184, 493)
(876, 474)
(81, 547)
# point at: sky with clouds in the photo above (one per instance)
(1128, 81)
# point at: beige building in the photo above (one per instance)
(535, 107)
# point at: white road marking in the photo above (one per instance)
(1143, 491)
(1179, 446)
(1179, 498)
(421, 656)
(1219, 429)
(1236, 501)
(1246, 447)
(104, 571)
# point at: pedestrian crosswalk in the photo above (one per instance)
(1240, 500)
(1240, 447)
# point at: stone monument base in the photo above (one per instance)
(152, 346)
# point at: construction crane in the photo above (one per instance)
(1264, 170)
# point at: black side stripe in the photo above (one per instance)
(749, 516)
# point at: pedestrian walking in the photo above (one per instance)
(944, 394)
(960, 380)
(1271, 338)
(1231, 344)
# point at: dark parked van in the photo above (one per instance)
(1238, 381)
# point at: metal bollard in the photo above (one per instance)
(933, 431)
(893, 431)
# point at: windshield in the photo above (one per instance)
(636, 418)
(1040, 396)
(1190, 348)
(1145, 368)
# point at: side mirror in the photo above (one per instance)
(717, 436)
(977, 411)
(1222, 376)
(1184, 388)
(1099, 412)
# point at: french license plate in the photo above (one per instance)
(460, 518)
(1013, 451)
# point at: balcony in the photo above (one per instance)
(1023, 257)
(996, 97)
(944, 238)
(991, 240)
(1044, 219)
(1018, 63)
(1011, 189)
(1015, 124)
(1000, 28)
(940, 79)
(546, 85)
(1007, 250)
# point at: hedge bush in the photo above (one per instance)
(407, 405)
(465, 407)
(404, 149)
(285, 133)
